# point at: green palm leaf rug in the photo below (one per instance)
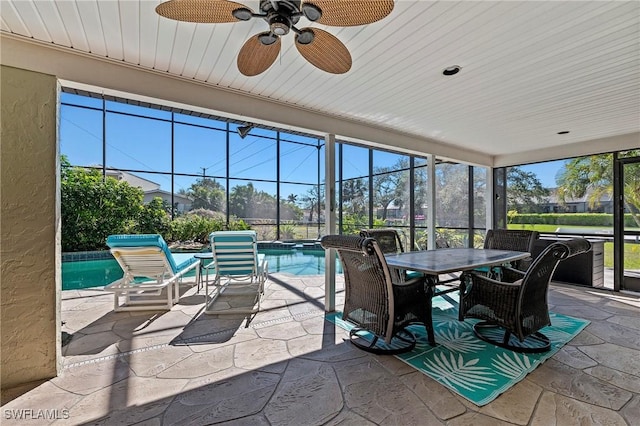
(472, 368)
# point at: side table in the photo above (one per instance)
(203, 257)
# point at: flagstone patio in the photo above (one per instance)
(288, 366)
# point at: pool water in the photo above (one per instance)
(296, 262)
(97, 273)
(89, 273)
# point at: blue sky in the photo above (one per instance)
(145, 144)
(546, 172)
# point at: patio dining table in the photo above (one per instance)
(442, 261)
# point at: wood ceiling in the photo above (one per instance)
(529, 69)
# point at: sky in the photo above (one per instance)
(545, 172)
(145, 144)
(135, 143)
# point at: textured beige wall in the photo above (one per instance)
(29, 225)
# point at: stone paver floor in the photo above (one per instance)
(289, 366)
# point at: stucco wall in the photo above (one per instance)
(29, 221)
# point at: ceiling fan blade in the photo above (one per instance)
(340, 13)
(325, 52)
(200, 11)
(255, 58)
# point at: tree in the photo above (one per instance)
(354, 196)
(419, 190)
(206, 193)
(93, 208)
(290, 211)
(525, 191)
(593, 176)
(388, 186)
(247, 202)
(452, 195)
(153, 217)
(311, 199)
(632, 191)
(292, 198)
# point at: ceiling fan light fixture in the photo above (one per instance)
(242, 14)
(311, 12)
(305, 36)
(452, 70)
(267, 38)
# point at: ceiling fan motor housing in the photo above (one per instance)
(281, 15)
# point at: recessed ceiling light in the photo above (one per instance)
(452, 70)
(564, 132)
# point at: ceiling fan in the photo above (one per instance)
(319, 47)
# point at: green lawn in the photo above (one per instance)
(631, 251)
(552, 228)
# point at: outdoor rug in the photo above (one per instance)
(472, 368)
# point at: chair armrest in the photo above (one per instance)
(511, 274)
(481, 292)
(484, 287)
(478, 277)
(179, 275)
(399, 281)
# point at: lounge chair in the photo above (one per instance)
(152, 274)
(240, 273)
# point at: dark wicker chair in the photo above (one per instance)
(442, 243)
(388, 239)
(509, 239)
(374, 302)
(390, 243)
(516, 308)
(512, 239)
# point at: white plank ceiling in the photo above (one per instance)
(529, 69)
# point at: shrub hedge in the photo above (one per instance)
(572, 219)
(197, 228)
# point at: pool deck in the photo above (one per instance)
(291, 367)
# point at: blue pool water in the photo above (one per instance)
(96, 273)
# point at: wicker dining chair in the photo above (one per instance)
(513, 311)
(390, 243)
(512, 239)
(378, 307)
(388, 239)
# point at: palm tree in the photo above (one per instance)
(593, 175)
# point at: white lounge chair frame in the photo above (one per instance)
(239, 271)
(148, 261)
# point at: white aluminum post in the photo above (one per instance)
(431, 202)
(330, 221)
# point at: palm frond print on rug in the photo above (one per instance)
(474, 369)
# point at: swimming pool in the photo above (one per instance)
(97, 273)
